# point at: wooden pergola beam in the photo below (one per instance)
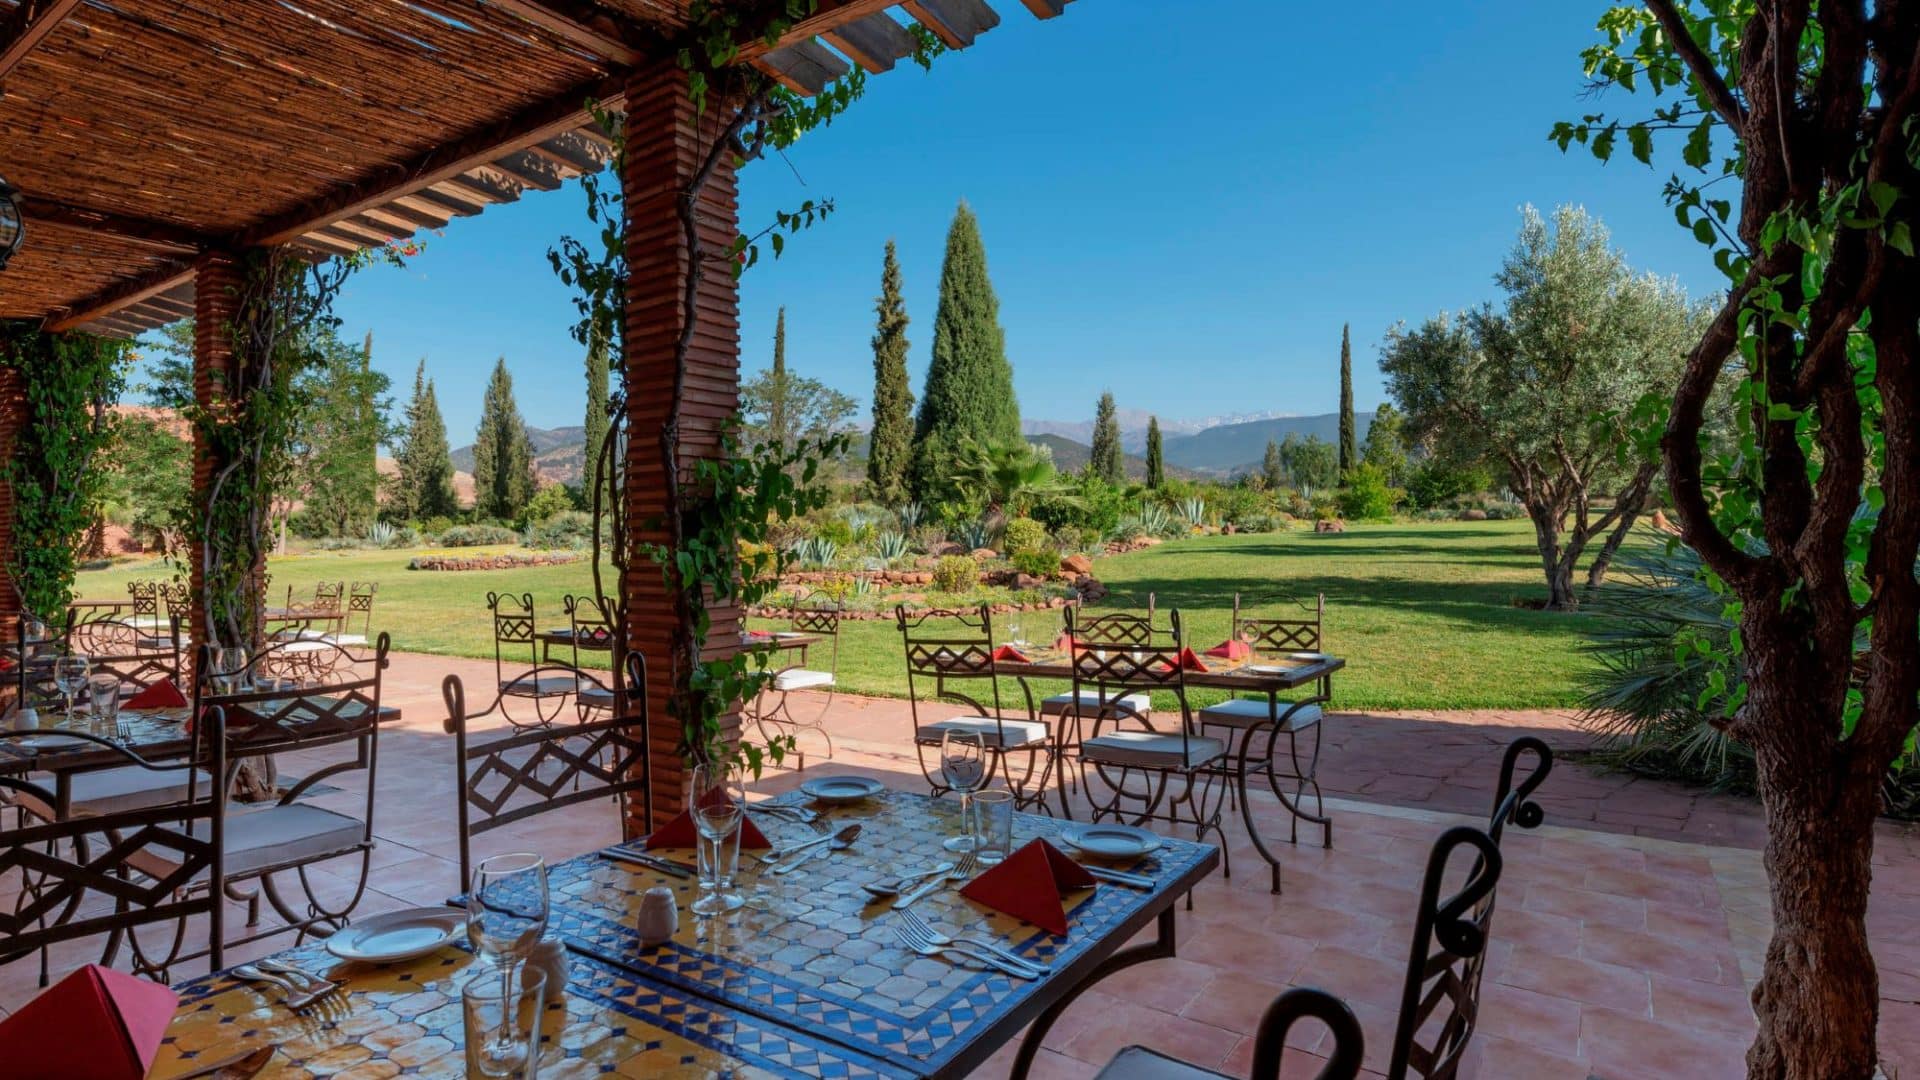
(27, 26)
(86, 219)
(125, 294)
(827, 15)
(579, 24)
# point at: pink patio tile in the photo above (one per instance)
(1630, 1045)
(1491, 1057)
(1689, 1002)
(1644, 952)
(1581, 980)
(1588, 906)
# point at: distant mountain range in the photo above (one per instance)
(559, 454)
(1070, 456)
(1133, 426)
(1233, 448)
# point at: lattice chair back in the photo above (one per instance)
(329, 593)
(1119, 653)
(528, 772)
(176, 596)
(513, 626)
(1283, 635)
(825, 622)
(145, 596)
(591, 623)
(137, 656)
(944, 647)
(360, 602)
(82, 886)
(1440, 1000)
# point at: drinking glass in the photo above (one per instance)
(963, 765)
(104, 690)
(506, 915)
(993, 817)
(1250, 637)
(229, 668)
(70, 676)
(502, 1022)
(717, 799)
(1013, 634)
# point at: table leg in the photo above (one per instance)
(1160, 948)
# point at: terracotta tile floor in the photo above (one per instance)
(1629, 928)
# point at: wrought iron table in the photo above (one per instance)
(1273, 678)
(812, 953)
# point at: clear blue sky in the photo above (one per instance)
(1180, 203)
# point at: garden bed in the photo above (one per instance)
(489, 562)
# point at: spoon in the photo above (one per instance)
(883, 889)
(847, 833)
(839, 841)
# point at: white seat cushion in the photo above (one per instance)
(129, 787)
(1151, 750)
(277, 835)
(801, 679)
(593, 697)
(348, 639)
(1140, 1063)
(1090, 703)
(1018, 732)
(1247, 712)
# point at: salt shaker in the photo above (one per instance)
(549, 955)
(26, 718)
(659, 916)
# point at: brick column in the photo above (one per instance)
(663, 151)
(13, 417)
(216, 284)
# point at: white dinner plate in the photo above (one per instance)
(835, 790)
(48, 741)
(397, 935)
(1110, 841)
(1313, 656)
(1267, 669)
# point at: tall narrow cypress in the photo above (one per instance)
(1105, 461)
(890, 447)
(1156, 464)
(503, 478)
(1349, 439)
(969, 391)
(426, 464)
(778, 427)
(595, 421)
(1273, 467)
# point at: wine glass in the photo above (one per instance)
(1250, 637)
(1013, 634)
(963, 765)
(717, 799)
(70, 676)
(229, 668)
(506, 916)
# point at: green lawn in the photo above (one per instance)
(1428, 616)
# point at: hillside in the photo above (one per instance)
(1070, 456)
(1224, 449)
(558, 454)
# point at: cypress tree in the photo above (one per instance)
(779, 430)
(502, 454)
(1105, 462)
(890, 447)
(1349, 440)
(969, 391)
(596, 417)
(1273, 467)
(426, 464)
(1156, 465)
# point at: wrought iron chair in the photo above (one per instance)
(527, 772)
(273, 708)
(1116, 630)
(137, 657)
(1440, 997)
(545, 686)
(953, 650)
(1139, 765)
(779, 716)
(65, 867)
(1242, 721)
(145, 601)
(359, 602)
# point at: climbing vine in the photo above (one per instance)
(70, 382)
(728, 502)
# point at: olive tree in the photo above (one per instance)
(1809, 521)
(1544, 388)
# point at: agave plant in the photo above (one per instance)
(890, 545)
(862, 585)
(911, 516)
(974, 535)
(1194, 509)
(815, 551)
(382, 533)
(1152, 520)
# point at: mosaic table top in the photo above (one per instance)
(157, 735)
(813, 952)
(405, 1020)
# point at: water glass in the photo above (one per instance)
(502, 1022)
(717, 800)
(993, 826)
(963, 766)
(70, 676)
(1250, 637)
(229, 668)
(104, 690)
(506, 915)
(1013, 634)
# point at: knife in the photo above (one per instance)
(1121, 877)
(651, 862)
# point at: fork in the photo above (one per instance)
(965, 868)
(912, 940)
(291, 996)
(923, 928)
(315, 984)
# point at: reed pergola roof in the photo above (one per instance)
(141, 132)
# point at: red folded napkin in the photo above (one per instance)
(681, 832)
(1065, 643)
(1011, 655)
(160, 695)
(95, 1024)
(1028, 885)
(1231, 650)
(1189, 661)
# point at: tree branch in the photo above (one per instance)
(1718, 94)
(1680, 444)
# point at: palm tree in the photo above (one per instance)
(1007, 476)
